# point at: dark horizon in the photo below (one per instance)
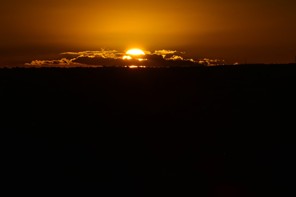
(207, 131)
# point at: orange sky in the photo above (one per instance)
(246, 30)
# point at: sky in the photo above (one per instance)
(245, 31)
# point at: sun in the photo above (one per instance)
(135, 52)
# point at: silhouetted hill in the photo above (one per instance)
(210, 131)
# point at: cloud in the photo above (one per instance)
(93, 54)
(175, 57)
(61, 62)
(164, 52)
(79, 59)
(113, 58)
(211, 62)
(100, 61)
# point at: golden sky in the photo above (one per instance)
(246, 30)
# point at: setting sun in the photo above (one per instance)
(135, 52)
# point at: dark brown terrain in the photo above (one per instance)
(208, 131)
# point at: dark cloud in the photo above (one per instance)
(113, 58)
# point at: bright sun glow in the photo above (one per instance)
(135, 52)
(127, 57)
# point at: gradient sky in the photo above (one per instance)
(236, 30)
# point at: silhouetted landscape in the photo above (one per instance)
(208, 131)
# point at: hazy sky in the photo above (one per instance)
(236, 30)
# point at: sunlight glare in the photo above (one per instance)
(135, 52)
(126, 57)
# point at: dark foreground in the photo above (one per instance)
(224, 131)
